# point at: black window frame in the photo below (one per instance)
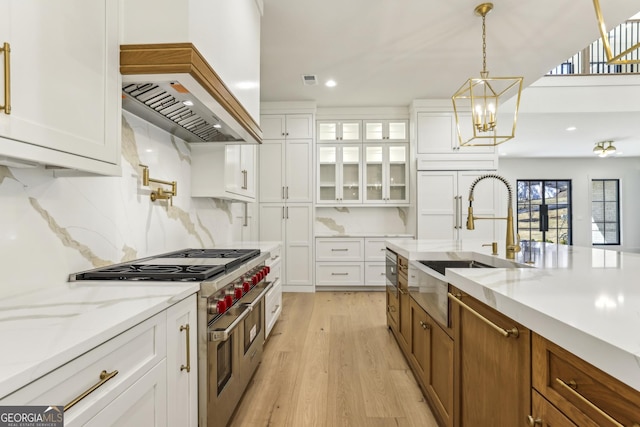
(569, 204)
(603, 201)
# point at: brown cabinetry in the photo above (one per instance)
(492, 360)
(545, 414)
(586, 395)
(404, 324)
(392, 310)
(432, 360)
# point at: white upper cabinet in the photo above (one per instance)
(287, 126)
(386, 130)
(339, 174)
(386, 174)
(438, 147)
(223, 171)
(64, 84)
(339, 130)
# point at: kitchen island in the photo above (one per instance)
(585, 300)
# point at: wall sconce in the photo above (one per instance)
(159, 193)
(601, 151)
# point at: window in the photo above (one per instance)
(544, 211)
(605, 211)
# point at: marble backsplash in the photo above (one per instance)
(361, 221)
(51, 226)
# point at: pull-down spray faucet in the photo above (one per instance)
(511, 246)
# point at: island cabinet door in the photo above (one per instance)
(492, 365)
(546, 415)
(432, 361)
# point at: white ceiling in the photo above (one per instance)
(390, 52)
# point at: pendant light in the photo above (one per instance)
(484, 98)
(622, 57)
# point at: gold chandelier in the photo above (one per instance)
(482, 97)
(612, 59)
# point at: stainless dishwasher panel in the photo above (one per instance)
(430, 292)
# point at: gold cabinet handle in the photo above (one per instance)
(424, 325)
(6, 49)
(571, 387)
(533, 422)
(504, 332)
(104, 377)
(188, 365)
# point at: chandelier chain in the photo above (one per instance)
(484, 45)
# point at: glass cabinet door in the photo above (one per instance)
(327, 173)
(398, 173)
(374, 170)
(328, 131)
(351, 174)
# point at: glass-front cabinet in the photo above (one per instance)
(339, 130)
(339, 174)
(386, 130)
(386, 174)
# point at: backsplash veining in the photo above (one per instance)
(52, 226)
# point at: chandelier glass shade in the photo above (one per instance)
(476, 103)
(604, 149)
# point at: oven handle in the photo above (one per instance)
(216, 335)
(256, 301)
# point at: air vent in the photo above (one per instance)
(309, 79)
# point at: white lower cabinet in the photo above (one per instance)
(273, 299)
(354, 262)
(126, 380)
(182, 364)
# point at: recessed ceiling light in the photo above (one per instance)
(330, 83)
(188, 103)
(571, 128)
(217, 126)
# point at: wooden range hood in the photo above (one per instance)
(180, 66)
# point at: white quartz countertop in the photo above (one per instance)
(584, 299)
(363, 234)
(43, 330)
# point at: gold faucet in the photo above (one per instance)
(159, 193)
(511, 246)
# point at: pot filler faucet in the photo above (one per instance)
(511, 246)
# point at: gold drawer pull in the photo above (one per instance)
(6, 49)
(533, 422)
(104, 377)
(571, 386)
(188, 365)
(504, 332)
(424, 325)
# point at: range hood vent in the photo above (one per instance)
(173, 87)
(171, 107)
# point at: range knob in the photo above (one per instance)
(221, 306)
(238, 292)
(217, 306)
(228, 300)
(254, 280)
(246, 287)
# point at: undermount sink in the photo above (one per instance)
(441, 265)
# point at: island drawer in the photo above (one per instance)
(104, 372)
(588, 396)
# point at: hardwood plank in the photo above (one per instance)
(331, 361)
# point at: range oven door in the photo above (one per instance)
(224, 368)
(253, 330)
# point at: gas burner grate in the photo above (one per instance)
(154, 272)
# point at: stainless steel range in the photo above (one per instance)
(230, 316)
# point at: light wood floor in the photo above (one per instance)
(331, 361)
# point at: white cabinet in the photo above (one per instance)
(386, 174)
(339, 130)
(438, 146)
(386, 130)
(292, 224)
(353, 262)
(115, 367)
(182, 364)
(281, 126)
(286, 167)
(273, 299)
(339, 174)
(443, 200)
(223, 171)
(64, 84)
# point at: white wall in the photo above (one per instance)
(51, 227)
(581, 171)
